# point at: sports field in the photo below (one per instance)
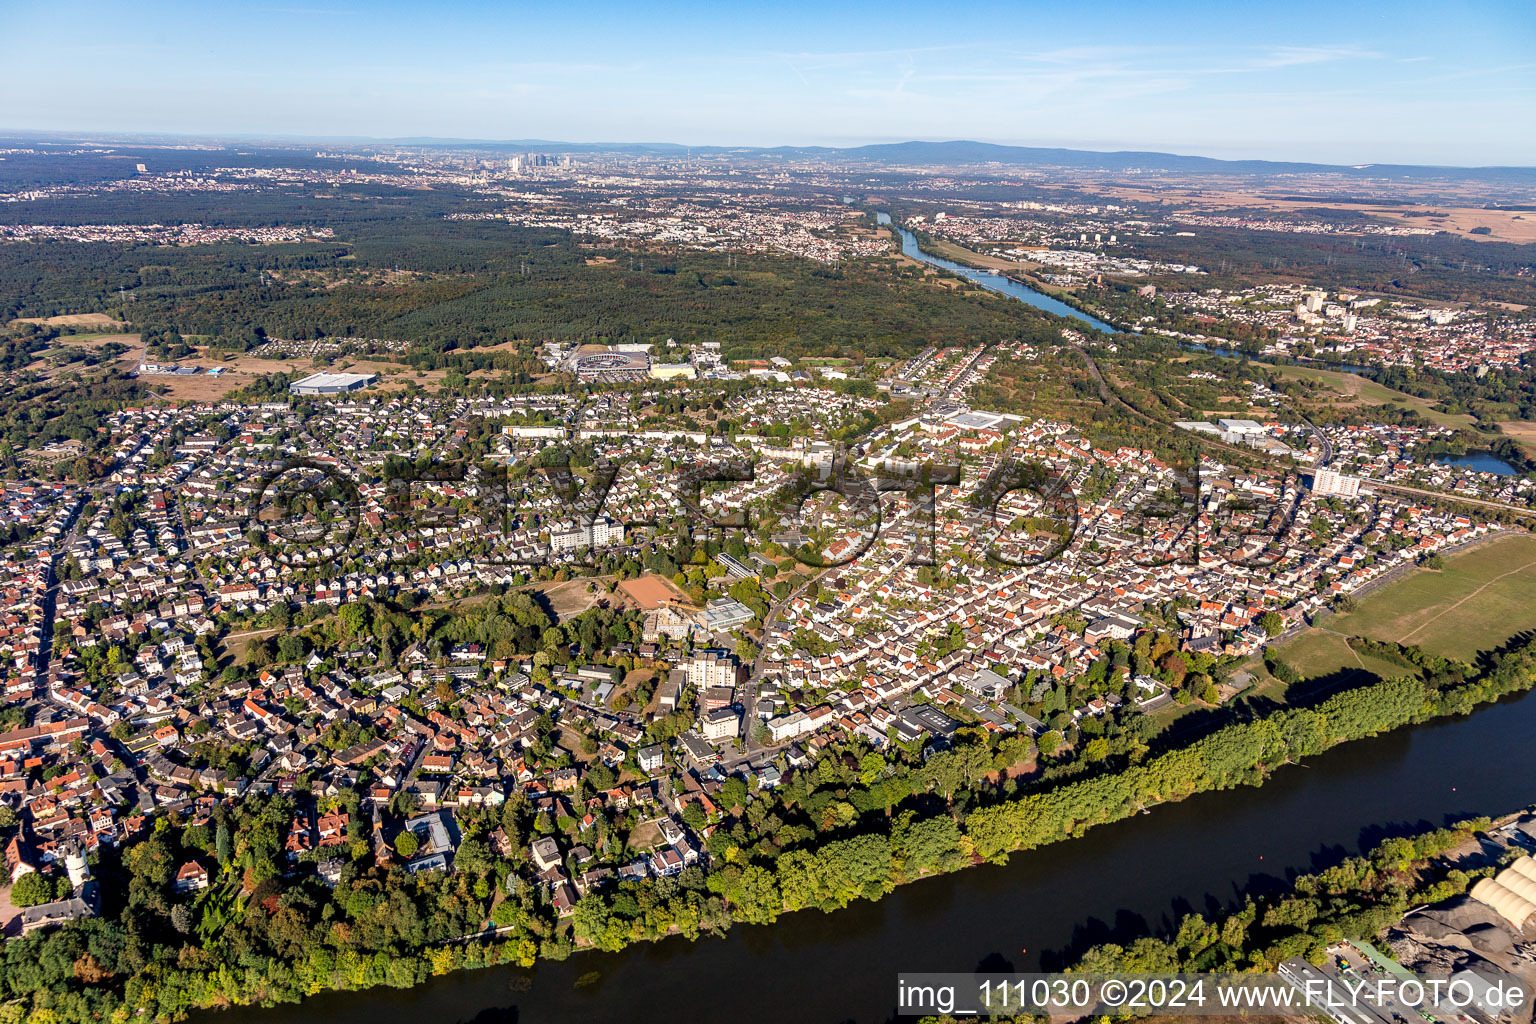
(1476, 603)
(650, 591)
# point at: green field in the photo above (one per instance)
(1481, 599)
(1354, 389)
(1318, 653)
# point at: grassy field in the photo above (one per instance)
(1480, 600)
(1355, 390)
(1318, 652)
(960, 254)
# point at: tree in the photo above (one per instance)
(406, 844)
(694, 817)
(1173, 664)
(755, 895)
(871, 767)
(30, 890)
(1273, 623)
(351, 618)
(181, 918)
(505, 913)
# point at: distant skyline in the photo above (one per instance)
(1332, 83)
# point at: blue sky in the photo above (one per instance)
(1451, 83)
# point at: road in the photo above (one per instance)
(48, 605)
(749, 720)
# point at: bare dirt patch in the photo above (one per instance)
(569, 599)
(72, 320)
(198, 387)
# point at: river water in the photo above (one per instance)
(1148, 870)
(994, 282)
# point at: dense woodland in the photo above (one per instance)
(466, 284)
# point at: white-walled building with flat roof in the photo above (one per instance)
(332, 383)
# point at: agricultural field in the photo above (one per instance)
(98, 320)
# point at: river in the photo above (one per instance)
(994, 282)
(1024, 293)
(1148, 870)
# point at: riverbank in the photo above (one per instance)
(1020, 272)
(997, 282)
(1339, 916)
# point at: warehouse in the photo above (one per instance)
(332, 383)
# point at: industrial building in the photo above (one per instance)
(332, 383)
(1512, 892)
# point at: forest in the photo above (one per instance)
(398, 270)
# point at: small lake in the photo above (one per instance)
(1484, 462)
(994, 282)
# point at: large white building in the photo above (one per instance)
(1327, 481)
(598, 533)
(535, 430)
(709, 668)
(724, 614)
(720, 725)
(331, 383)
